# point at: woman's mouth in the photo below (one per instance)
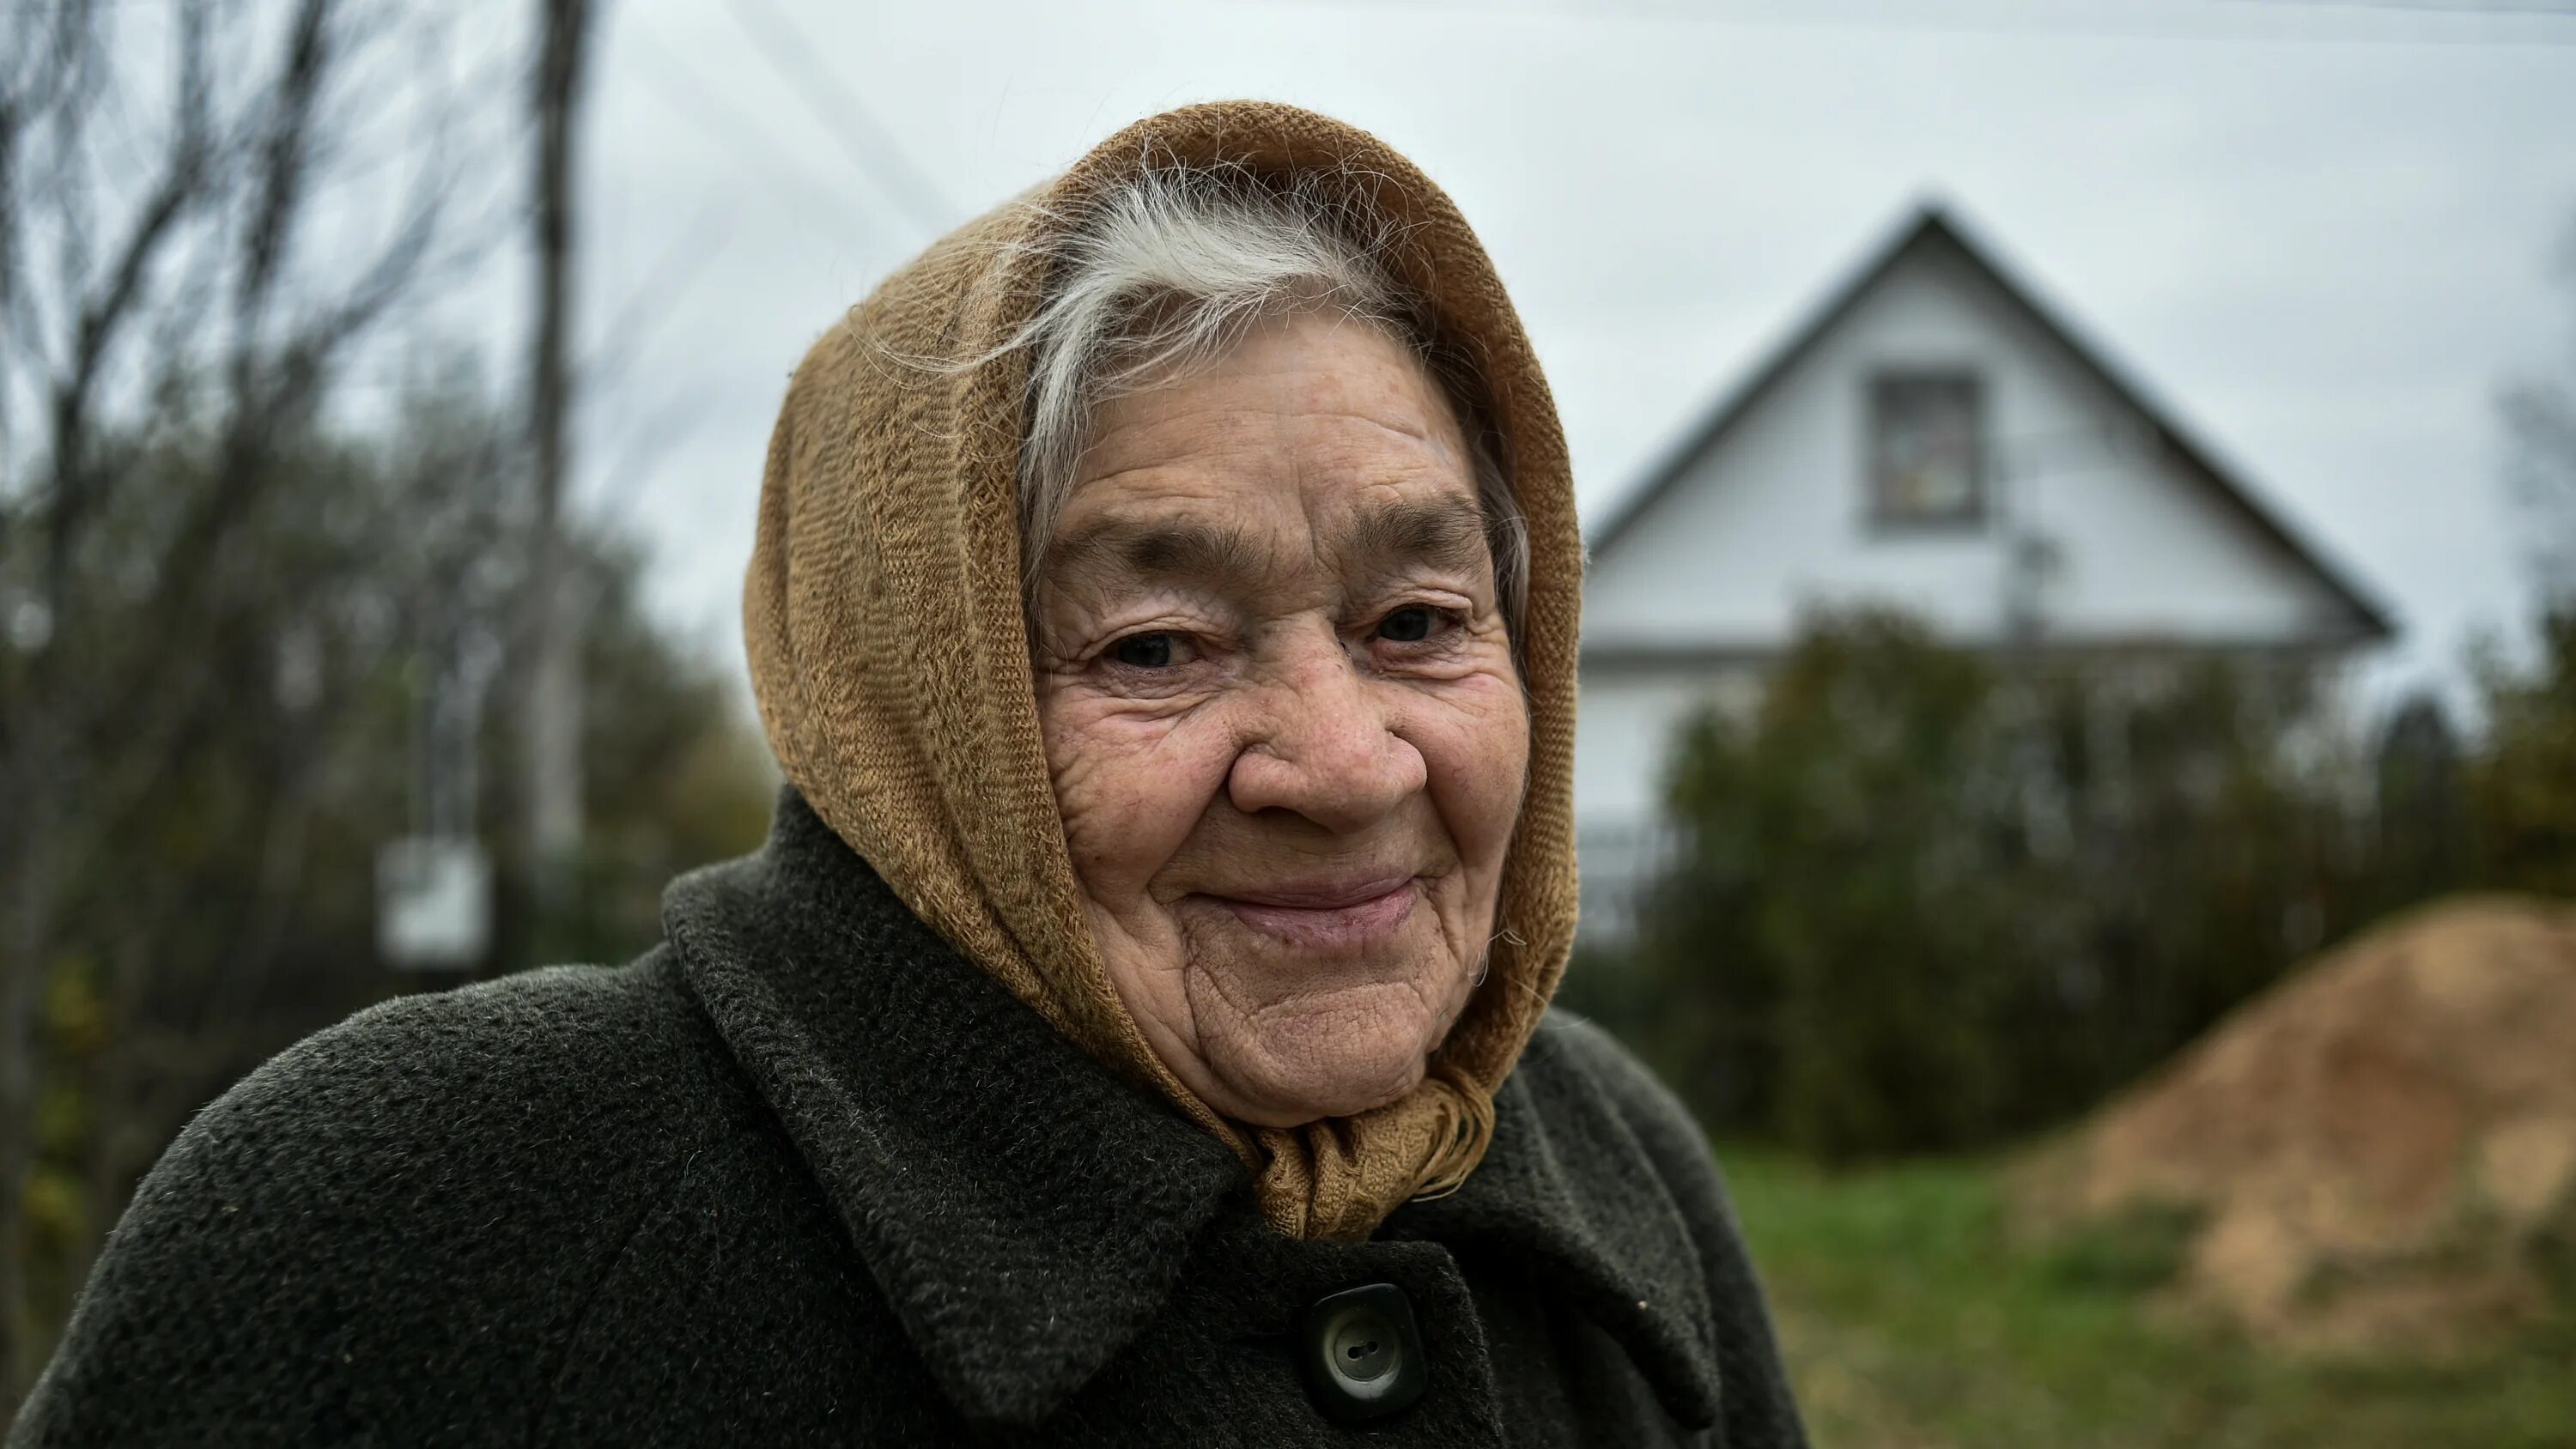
(1328, 915)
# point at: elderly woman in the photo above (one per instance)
(1134, 1030)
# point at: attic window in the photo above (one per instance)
(1926, 448)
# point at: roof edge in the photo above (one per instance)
(1933, 220)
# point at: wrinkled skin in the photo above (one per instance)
(1279, 704)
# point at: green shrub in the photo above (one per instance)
(2522, 785)
(1926, 899)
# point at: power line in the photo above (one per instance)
(757, 150)
(2469, 22)
(875, 151)
(2467, 9)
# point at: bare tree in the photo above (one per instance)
(202, 244)
(2540, 421)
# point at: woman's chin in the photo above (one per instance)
(1291, 1068)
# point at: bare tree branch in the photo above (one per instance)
(2540, 470)
(284, 150)
(171, 309)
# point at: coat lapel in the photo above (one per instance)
(1568, 1187)
(1025, 1213)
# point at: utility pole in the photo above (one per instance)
(550, 726)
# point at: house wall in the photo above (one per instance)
(1623, 734)
(1626, 722)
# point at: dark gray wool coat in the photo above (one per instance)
(801, 1175)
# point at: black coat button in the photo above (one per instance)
(1361, 1354)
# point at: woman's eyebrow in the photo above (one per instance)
(1445, 532)
(1185, 552)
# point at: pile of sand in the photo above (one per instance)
(2380, 1152)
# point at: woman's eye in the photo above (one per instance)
(1143, 651)
(1409, 625)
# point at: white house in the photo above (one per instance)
(1936, 438)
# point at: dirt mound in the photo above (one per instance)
(2378, 1153)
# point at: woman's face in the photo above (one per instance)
(1279, 705)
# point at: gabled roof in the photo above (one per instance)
(1932, 230)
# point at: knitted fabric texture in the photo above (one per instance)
(889, 656)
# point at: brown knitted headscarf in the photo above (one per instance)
(883, 615)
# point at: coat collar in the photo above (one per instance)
(1025, 1212)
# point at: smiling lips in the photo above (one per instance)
(1327, 916)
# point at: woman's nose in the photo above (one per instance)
(1322, 744)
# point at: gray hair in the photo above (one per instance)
(1167, 270)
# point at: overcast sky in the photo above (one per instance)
(2322, 232)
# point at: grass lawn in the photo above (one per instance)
(1911, 1318)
